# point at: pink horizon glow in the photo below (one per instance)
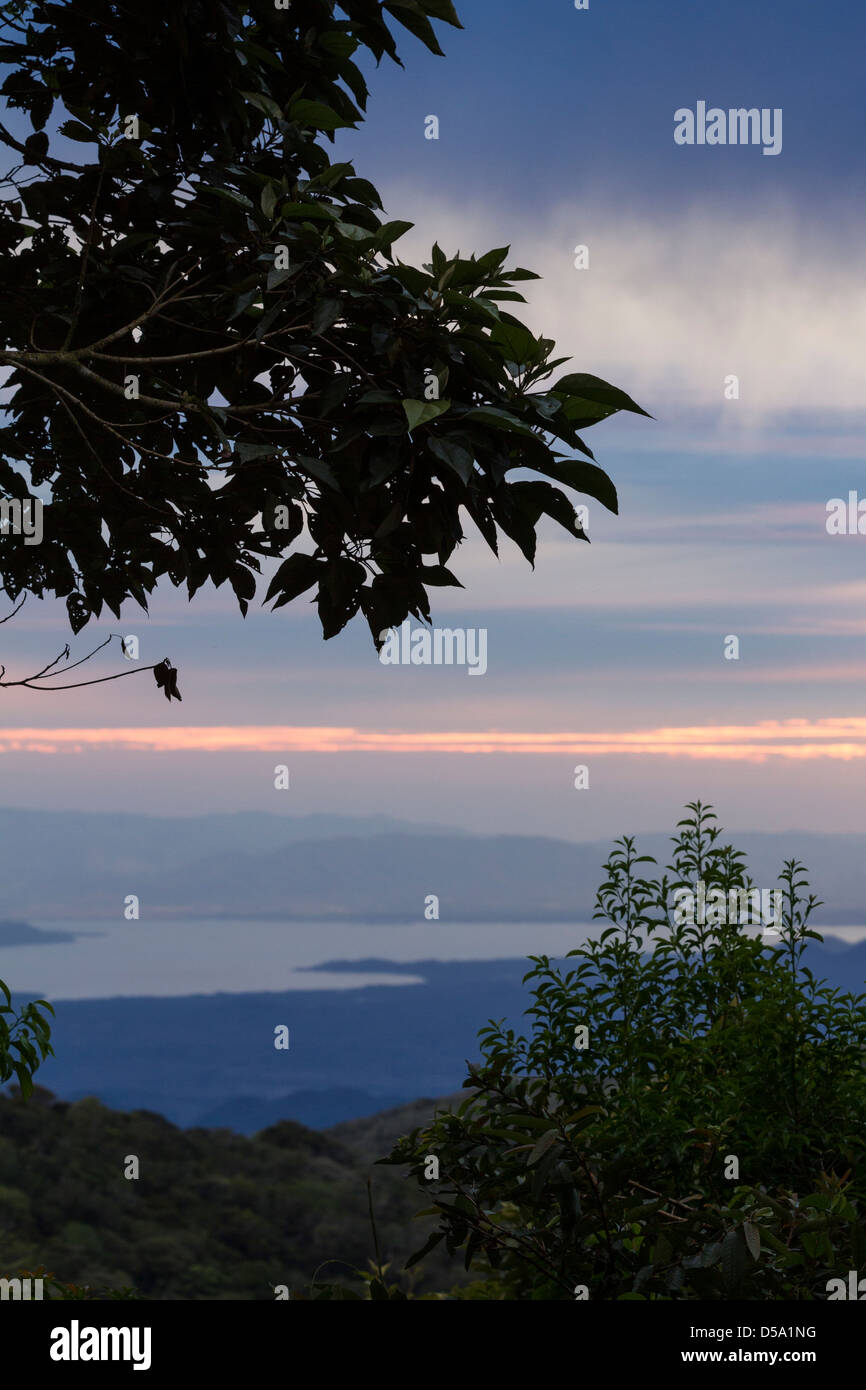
(796, 740)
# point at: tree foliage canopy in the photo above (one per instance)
(214, 351)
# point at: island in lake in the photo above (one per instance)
(22, 934)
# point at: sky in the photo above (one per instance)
(705, 262)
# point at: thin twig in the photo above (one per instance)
(14, 611)
(76, 685)
(373, 1224)
(82, 274)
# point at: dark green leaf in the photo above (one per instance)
(593, 390)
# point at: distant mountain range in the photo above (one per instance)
(59, 864)
(315, 1109)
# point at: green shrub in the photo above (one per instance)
(706, 1142)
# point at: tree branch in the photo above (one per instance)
(46, 162)
(46, 673)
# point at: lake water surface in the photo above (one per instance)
(168, 958)
(165, 958)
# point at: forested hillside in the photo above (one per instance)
(213, 1215)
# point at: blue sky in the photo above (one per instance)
(556, 129)
(537, 100)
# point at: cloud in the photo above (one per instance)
(675, 300)
(791, 739)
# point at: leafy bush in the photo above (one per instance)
(706, 1142)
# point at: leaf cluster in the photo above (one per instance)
(217, 359)
(25, 1039)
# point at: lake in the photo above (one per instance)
(169, 958)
